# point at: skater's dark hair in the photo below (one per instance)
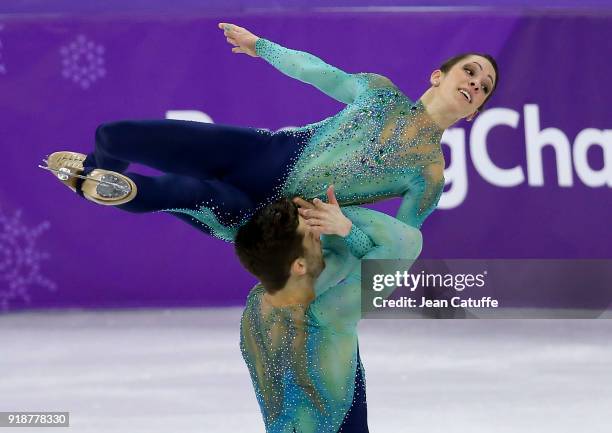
(449, 63)
(269, 243)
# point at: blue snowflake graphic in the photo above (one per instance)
(20, 260)
(83, 61)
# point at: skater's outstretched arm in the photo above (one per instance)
(302, 66)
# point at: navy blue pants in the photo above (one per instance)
(232, 169)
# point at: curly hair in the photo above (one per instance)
(269, 243)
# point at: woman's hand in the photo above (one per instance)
(324, 218)
(242, 40)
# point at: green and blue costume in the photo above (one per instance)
(380, 145)
(303, 359)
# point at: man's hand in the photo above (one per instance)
(324, 218)
(242, 40)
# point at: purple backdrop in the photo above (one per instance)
(60, 76)
(224, 6)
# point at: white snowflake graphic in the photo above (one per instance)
(83, 61)
(2, 67)
(20, 260)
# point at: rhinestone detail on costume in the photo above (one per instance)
(381, 145)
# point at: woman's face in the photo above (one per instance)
(467, 84)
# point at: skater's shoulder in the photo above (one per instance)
(256, 291)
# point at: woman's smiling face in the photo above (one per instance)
(467, 85)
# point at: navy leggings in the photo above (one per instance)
(232, 169)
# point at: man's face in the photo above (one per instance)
(313, 253)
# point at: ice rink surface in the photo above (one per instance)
(180, 371)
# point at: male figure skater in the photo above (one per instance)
(299, 327)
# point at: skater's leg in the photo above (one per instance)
(194, 149)
(174, 191)
(182, 192)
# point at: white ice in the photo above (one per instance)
(180, 371)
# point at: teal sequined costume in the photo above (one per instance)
(303, 358)
(381, 145)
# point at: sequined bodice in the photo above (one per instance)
(380, 145)
(377, 147)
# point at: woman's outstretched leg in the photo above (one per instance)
(195, 149)
(240, 167)
(169, 191)
(172, 191)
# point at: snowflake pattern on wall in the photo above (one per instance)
(20, 260)
(2, 67)
(83, 61)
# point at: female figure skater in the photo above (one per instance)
(380, 145)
